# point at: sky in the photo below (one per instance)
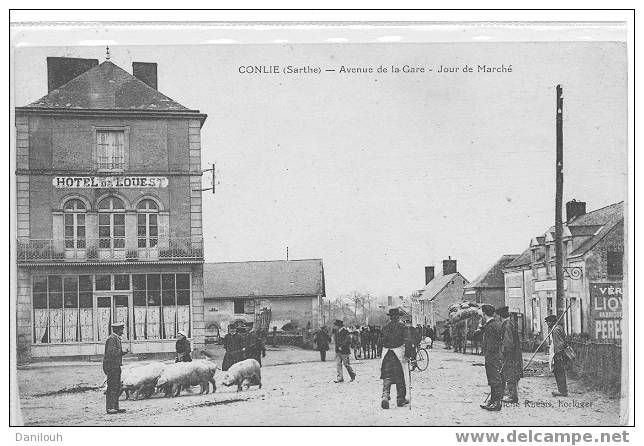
(381, 174)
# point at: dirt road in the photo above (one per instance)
(299, 390)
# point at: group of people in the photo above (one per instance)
(504, 358)
(241, 344)
(456, 335)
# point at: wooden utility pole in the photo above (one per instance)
(558, 205)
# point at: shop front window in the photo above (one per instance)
(161, 305)
(63, 309)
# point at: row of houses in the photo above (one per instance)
(593, 260)
(109, 226)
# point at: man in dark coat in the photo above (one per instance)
(112, 361)
(492, 338)
(322, 340)
(183, 347)
(447, 338)
(558, 357)
(379, 342)
(395, 340)
(342, 340)
(429, 332)
(365, 340)
(512, 355)
(233, 344)
(254, 347)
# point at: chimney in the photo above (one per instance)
(61, 70)
(390, 301)
(429, 274)
(449, 266)
(146, 72)
(574, 209)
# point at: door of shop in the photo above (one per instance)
(113, 308)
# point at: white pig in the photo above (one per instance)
(245, 374)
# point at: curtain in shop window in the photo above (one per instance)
(70, 324)
(55, 325)
(86, 326)
(103, 322)
(139, 322)
(154, 322)
(41, 321)
(169, 322)
(122, 315)
(183, 318)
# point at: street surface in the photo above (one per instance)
(298, 389)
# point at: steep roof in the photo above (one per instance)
(524, 259)
(436, 285)
(107, 87)
(493, 276)
(264, 278)
(608, 217)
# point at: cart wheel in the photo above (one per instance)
(422, 359)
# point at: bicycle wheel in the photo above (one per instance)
(422, 359)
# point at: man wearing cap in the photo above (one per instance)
(512, 355)
(183, 347)
(395, 340)
(112, 361)
(342, 340)
(492, 338)
(233, 344)
(557, 355)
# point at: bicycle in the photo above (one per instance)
(421, 361)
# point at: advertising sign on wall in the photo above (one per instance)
(606, 310)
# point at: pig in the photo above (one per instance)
(245, 374)
(182, 374)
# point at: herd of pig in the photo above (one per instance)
(142, 381)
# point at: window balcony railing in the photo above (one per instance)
(109, 249)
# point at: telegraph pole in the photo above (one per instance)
(558, 205)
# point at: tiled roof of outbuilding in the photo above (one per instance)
(107, 87)
(264, 278)
(436, 285)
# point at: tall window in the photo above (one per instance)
(110, 149)
(615, 261)
(111, 223)
(148, 229)
(74, 212)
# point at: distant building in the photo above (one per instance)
(108, 171)
(593, 268)
(291, 289)
(438, 294)
(489, 286)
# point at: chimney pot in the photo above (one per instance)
(429, 274)
(146, 72)
(61, 70)
(574, 209)
(449, 266)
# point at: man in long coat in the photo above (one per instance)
(112, 361)
(558, 357)
(512, 355)
(322, 340)
(492, 338)
(342, 340)
(233, 344)
(395, 340)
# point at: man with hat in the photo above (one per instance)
(512, 355)
(557, 355)
(492, 338)
(183, 347)
(395, 340)
(342, 340)
(112, 361)
(233, 344)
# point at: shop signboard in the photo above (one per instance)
(606, 310)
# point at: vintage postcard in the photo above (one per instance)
(335, 231)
